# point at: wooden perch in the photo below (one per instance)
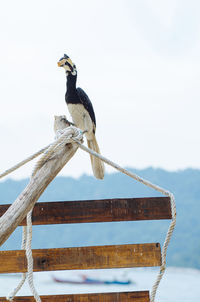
(38, 183)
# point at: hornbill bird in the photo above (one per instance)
(82, 112)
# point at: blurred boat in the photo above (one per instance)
(86, 280)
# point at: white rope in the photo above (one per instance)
(164, 249)
(26, 245)
(68, 135)
(23, 162)
(157, 188)
(30, 257)
(63, 137)
(49, 150)
(11, 296)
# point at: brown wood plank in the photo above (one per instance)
(91, 257)
(142, 296)
(106, 210)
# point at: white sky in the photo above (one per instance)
(139, 62)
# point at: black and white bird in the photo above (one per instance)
(82, 112)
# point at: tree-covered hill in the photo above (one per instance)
(184, 249)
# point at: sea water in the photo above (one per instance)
(177, 285)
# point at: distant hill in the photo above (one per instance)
(184, 249)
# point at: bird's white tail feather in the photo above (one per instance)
(97, 164)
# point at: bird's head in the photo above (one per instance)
(68, 65)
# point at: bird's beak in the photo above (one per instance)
(62, 62)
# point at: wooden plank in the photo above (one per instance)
(106, 210)
(91, 257)
(142, 296)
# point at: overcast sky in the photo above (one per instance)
(138, 60)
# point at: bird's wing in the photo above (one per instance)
(86, 103)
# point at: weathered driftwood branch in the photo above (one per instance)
(38, 183)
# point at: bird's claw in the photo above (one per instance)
(70, 123)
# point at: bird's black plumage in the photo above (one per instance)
(83, 97)
(78, 96)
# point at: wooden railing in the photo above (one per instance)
(92, 257)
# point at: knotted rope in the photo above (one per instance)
(73, 134)
(63, 137)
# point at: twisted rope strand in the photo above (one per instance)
(23, 162)
(164, 248)
(11, 296)
(116, 166)
(30, 257)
